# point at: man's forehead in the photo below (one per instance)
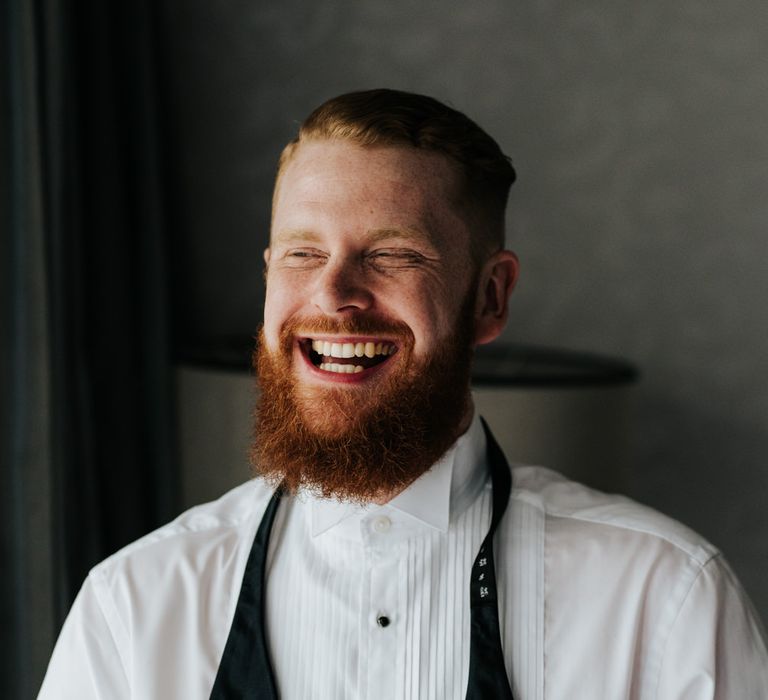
(405, 192)
(344, 160)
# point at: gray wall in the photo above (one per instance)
(639, 133)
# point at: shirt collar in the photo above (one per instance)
(442, 492)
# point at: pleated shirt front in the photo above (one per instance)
(373, 602)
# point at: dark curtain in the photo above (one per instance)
(87, 422)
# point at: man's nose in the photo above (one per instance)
(341, 287)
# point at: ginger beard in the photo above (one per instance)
(357, 443)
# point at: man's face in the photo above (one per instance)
(371, 315)
(363, 236)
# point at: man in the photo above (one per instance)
(392, 560)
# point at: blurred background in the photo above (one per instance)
(138, 144)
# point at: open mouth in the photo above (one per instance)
(347, 357)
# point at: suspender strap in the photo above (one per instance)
(487, 673)
(244, 670)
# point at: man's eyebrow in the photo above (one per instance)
(288, 236)
(295, 235)
(409, 234)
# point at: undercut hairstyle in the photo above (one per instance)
(386, 117)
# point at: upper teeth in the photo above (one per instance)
(323, 347)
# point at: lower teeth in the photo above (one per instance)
(341, 369)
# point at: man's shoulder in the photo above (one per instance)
(568, 505)
(201, 533)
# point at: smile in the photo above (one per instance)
(347, 357)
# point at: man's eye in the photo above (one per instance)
(303, 256)
(395, 257)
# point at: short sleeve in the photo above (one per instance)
(716, 648)
(86, 663)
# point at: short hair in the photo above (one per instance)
(385, 117)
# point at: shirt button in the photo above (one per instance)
(382, 621)
(381, 524)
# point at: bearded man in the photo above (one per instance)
(380, 552)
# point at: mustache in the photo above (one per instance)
(352, 325)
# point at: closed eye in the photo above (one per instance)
(301, 257)
(393, 258)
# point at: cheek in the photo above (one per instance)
(440, 312)
(432, 319)
(285, 292)
(277, 309)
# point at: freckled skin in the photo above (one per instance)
(375, 231)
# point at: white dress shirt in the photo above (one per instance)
(600, 598)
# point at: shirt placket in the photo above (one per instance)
(382, 617)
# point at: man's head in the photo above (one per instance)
(385, 269)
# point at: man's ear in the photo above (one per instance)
(267, 253)
(497, 280)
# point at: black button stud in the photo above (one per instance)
(382, 621)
